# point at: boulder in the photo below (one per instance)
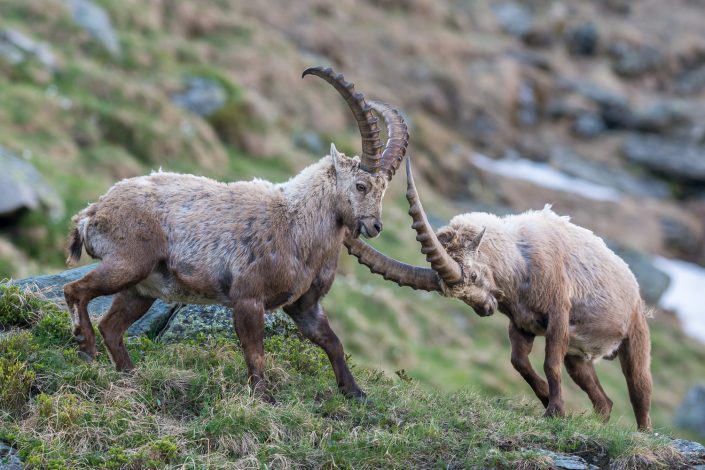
(9, 459)
(568, 161)
(632, 60)
(51, 287)
(589, 125)
(202, 96)
(566, 461)
(94, 19)
(16, 48)
(582, 39)
(652, 281)
(188, 321)
(673, 158)
(514, 18)
(23, 187)
(690, 414)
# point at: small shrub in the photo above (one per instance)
(18, 306)
(16, 379)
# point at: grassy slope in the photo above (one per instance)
(120, 122)
(188, 405)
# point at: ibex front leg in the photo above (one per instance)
(309, 316)
(557, 339)
(248, 316)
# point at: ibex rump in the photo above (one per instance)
(255, 246)
(551, 278)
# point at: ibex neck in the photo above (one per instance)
(311, 205)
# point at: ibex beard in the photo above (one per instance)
(551, 278)
(256, 246)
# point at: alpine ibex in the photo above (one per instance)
(551, 278)
(256, 246)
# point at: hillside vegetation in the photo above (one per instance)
(187, 405)
(95, 114)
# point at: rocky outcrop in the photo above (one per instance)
(202, 96)
(23, 187)
(673, 158)
(51, 287)
(164, 321)
(94, 19)
(17, 48)
(691, 413)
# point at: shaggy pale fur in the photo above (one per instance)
(256, 246)
(555, 279)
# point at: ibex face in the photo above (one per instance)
(361, 195)
(477, 287)
(361, 182)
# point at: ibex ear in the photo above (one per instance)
(335, 156)
(446, 235)
(474, 244)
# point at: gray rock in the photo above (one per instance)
(94, 19)
(202, 96)
(690, 82)
(16, 48)
(189, 321)
(514, 18)
(23, 187)
(652, 281)
(599, 95)
(51, 287)
(660, 117)
(680, 237)
(691, 412)
(9, 460)
(567, 462)
(311, 141)
(635, 60)
(527, 106)
(693, 451)
(676, 159)
(573, 164)
(582, 39)
(589, 125)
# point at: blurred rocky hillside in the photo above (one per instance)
(595, 107)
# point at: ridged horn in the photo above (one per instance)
(391, 269)
(447, 268)
(397, 138)
(371, 158)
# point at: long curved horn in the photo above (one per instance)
(447, 268)
(397, 138)
(391, 269)
(371, 158)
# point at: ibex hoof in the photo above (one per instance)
(85, 356)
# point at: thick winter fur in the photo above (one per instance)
(555, 279)
(256, 246)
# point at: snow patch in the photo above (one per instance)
(546, 176)
(684, 294)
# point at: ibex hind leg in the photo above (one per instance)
(635, 359)
(111, 276)
(127, 307)
(583, 374)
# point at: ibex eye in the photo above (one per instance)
(473, 276)
(361, 187)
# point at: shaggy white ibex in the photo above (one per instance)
(255, 246)
(550, 277)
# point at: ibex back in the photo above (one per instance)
(551, 278)
(255, 246)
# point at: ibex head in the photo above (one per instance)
(455, 269)
(362, 181)
(477, 286)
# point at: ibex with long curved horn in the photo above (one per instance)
(551, 278)
(255, 246)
